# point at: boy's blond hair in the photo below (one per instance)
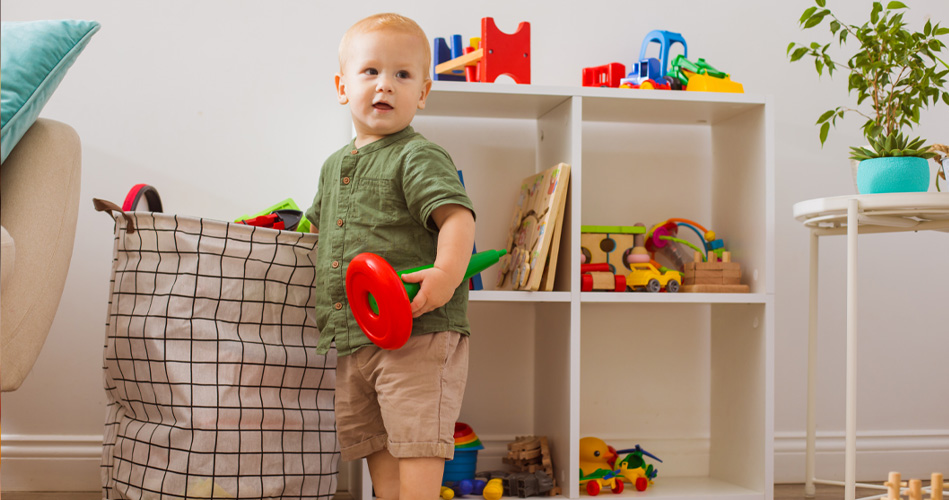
(385, 21)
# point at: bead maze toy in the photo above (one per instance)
(494, 54)
(381, 301)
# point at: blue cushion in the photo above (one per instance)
(35, 58)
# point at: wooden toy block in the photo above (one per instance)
(609, 244)
(713, 277)
(936, 486)
(497, 54)
(531, 454)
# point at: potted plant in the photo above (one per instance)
(895, 72)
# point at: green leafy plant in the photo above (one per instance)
(894, 144)
(897, 72)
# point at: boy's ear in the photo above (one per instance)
(426, 88)
(341, 89)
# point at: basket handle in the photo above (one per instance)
(107, 206)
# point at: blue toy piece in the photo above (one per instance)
(652, 68)
(442, 54)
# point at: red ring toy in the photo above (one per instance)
(369, 274)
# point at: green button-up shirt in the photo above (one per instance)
(380, 199)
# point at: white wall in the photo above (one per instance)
(227, 107)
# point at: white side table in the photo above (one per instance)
(850, 215)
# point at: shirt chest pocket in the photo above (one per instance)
(379, 201)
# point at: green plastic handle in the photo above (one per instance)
(479, 262)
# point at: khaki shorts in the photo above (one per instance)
(406, 400)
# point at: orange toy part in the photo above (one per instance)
(505, 54)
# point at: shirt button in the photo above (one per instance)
(339, 222)
(335, 264)
(355, 151)
(346, 180)
(338, 305)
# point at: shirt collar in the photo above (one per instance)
(384, 142)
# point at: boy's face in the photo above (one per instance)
(384, 81)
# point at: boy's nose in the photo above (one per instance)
(384, 85)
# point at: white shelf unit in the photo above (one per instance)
(688, 376)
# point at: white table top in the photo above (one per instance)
(877, 213)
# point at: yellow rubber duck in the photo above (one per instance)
(595, 454)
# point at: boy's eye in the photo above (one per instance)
(371, 71)
(402, 74)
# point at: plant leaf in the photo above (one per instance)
(822, 3)
(895, 5)
(807, 13)
(826, 116)
(798, 53)
(824, 129)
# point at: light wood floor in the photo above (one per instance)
(781, 492)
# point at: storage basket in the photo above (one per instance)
(214, 386)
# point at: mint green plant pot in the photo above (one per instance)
(904, 174)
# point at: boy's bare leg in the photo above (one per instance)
(405, 478)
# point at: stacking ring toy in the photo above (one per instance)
(381, 301)
(371, 277)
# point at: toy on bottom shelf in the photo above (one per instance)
(914, 487)
(494, 54)
(531, 474)
(634, 468)
(459, 476)
(599, 469)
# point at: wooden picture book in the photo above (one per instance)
(534, 234)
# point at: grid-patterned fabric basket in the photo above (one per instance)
(214, 386)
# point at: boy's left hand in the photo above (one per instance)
(437, 288)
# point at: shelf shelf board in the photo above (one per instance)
(682, 488)
(673, 298)
(517, 296)
(499, 100)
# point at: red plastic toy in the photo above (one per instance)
(499, 54)
(608, 75)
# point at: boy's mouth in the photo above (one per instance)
(383, 106)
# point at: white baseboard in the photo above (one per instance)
(51, 462)
(911, 453)
(71, 463)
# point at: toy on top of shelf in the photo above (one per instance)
(497, 53)
(634, 468)
(914, 488)
(381, 301)
(652, 71)
(607, 75)
(701, 76)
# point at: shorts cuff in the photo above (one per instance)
(422, 450)
(363, 449)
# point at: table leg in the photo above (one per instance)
(809, 462)
(850, 446)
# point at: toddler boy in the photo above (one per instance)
(393, 193)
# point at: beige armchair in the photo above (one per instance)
(39, 205)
